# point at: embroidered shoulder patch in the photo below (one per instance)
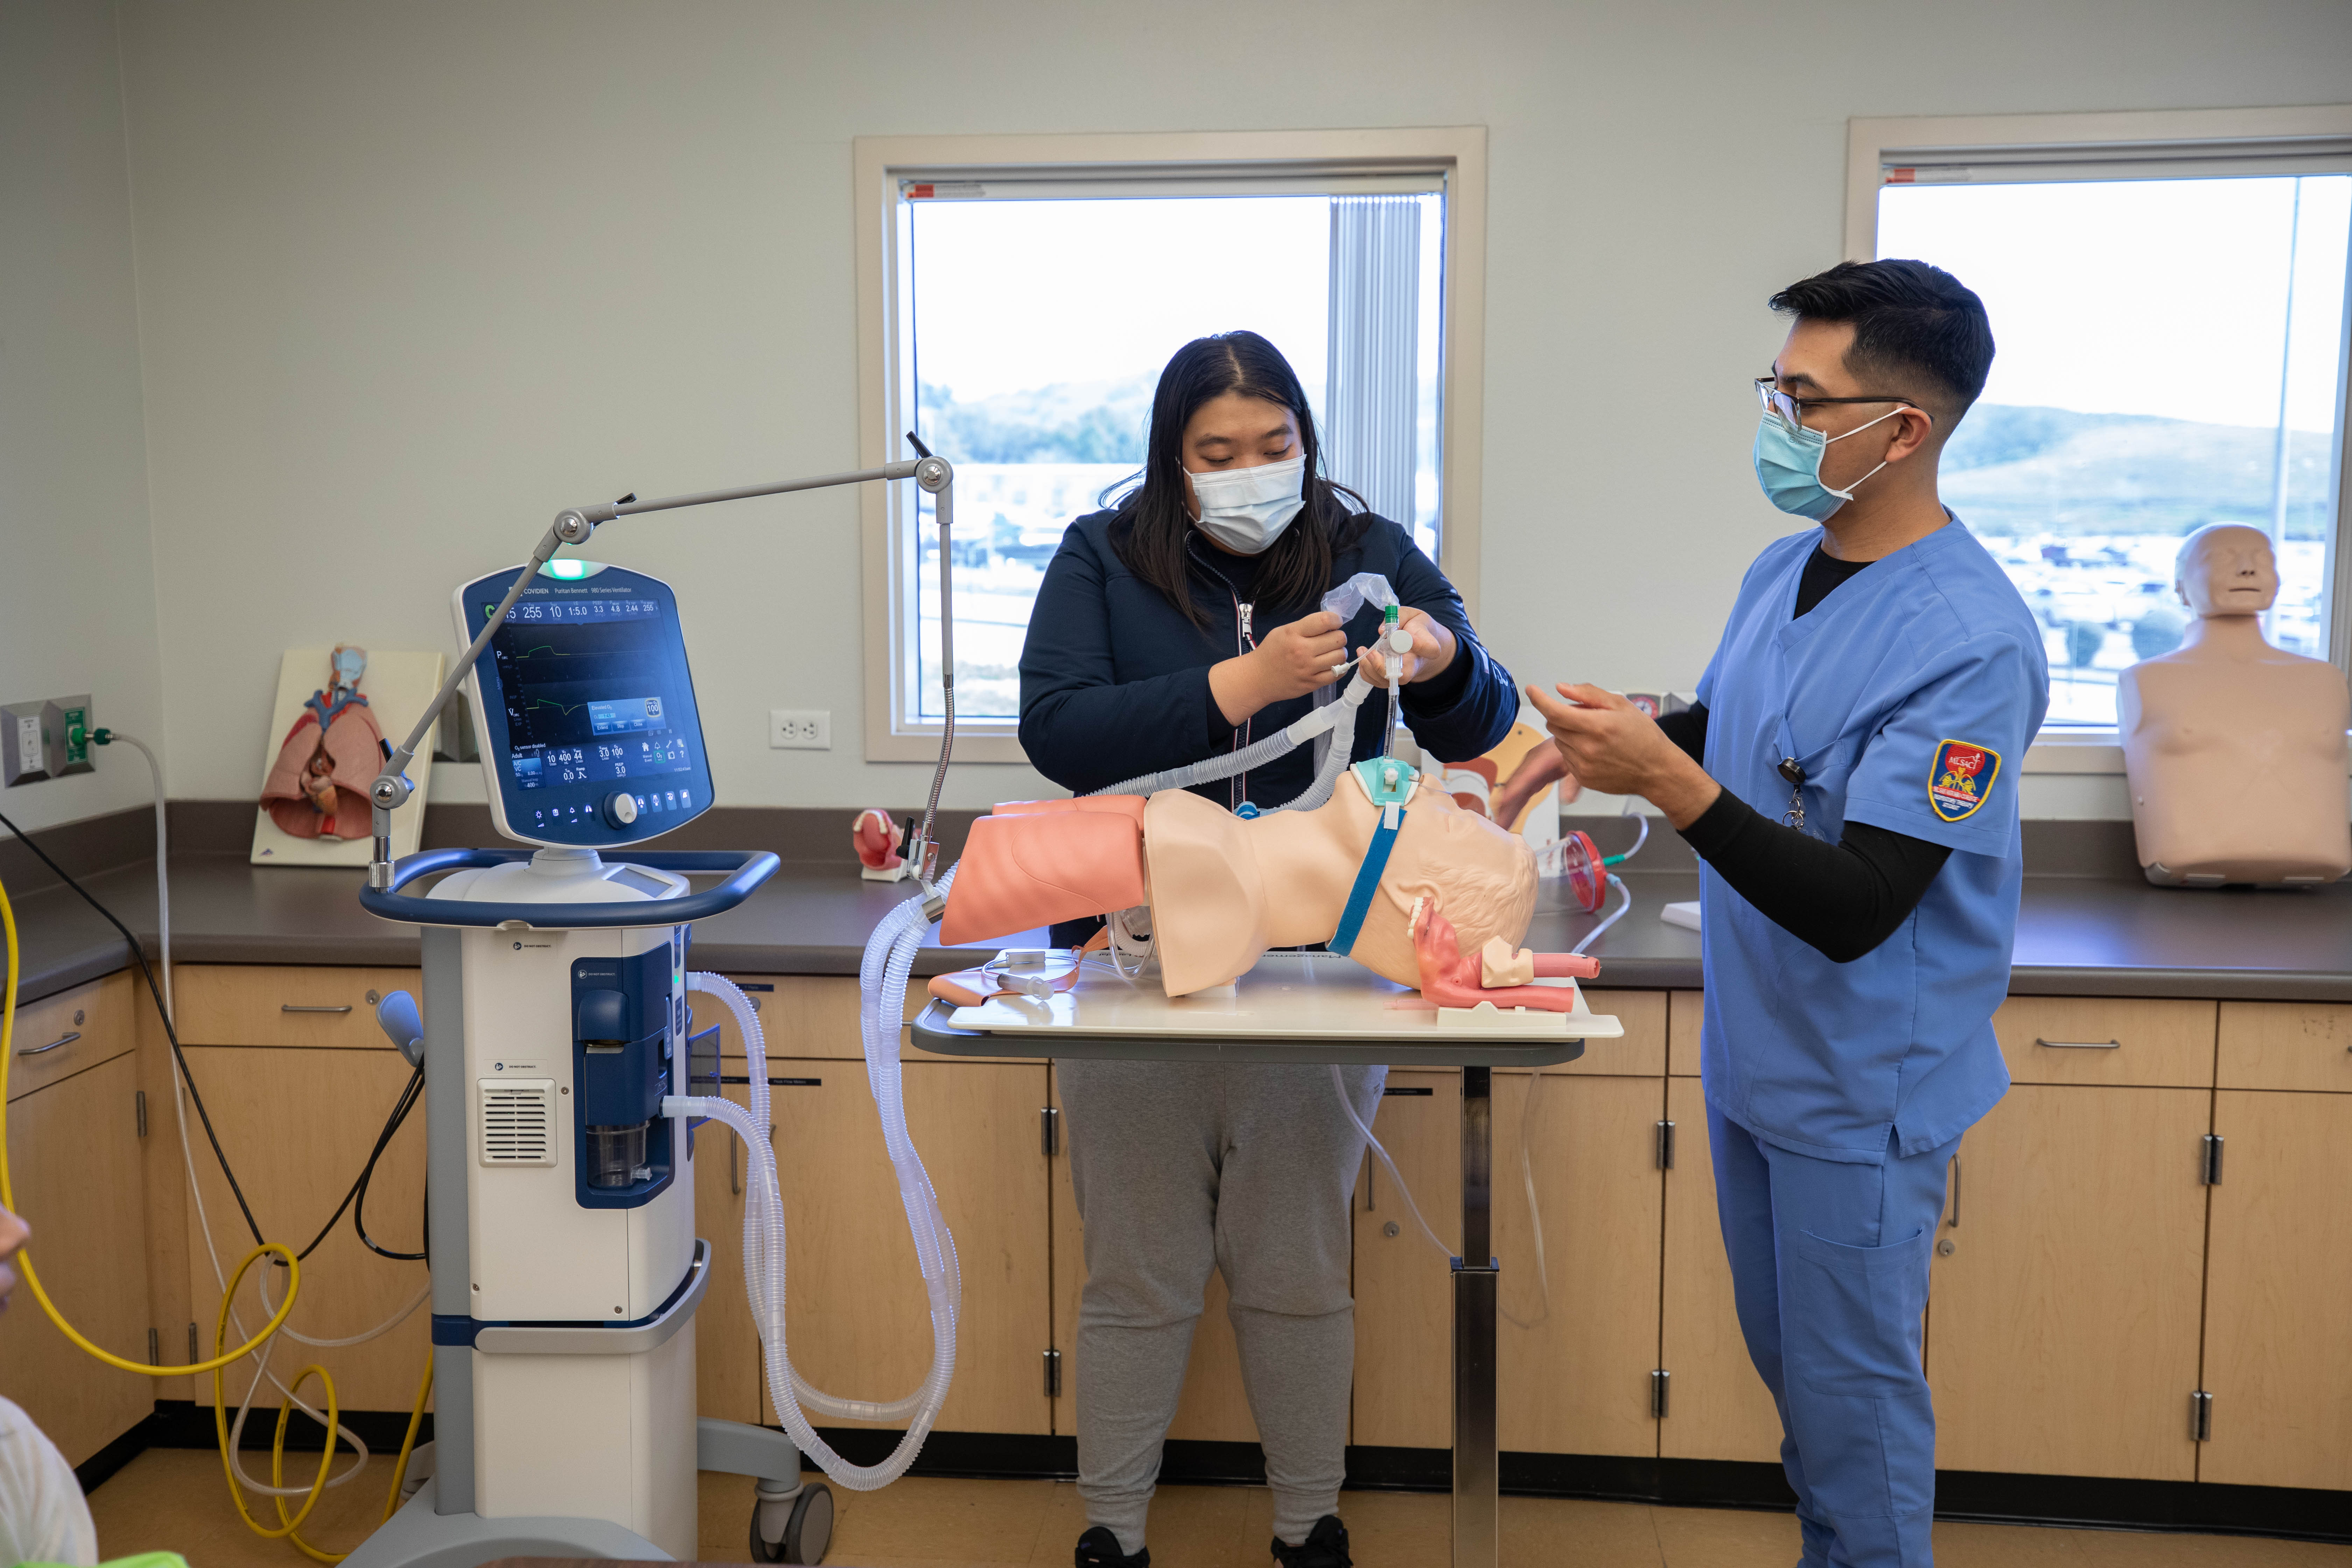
(1960, 778)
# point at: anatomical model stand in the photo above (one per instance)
(2235, 749)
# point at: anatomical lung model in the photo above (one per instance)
(2235, 749)
(318, 786)
(1216, 890)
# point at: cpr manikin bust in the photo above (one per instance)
(1222, 890)
(2235, 749)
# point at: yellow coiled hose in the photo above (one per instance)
(221, 1357)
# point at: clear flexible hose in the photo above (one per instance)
(1338, 718)
(747, 1020)
(882, 977)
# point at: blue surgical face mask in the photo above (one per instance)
(1789, 466)
(1246, 510)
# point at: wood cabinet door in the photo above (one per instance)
(1717, 1405)
(1404, 1286)
(2278, 1359)
(1214, 1406)
(859, 1320)
(1575, 1370)
(2066, 1285)
(297, 1123)
(726, 1341)
(74, 1162)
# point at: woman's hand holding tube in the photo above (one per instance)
(1615, 747)
(1304, 655)
(1433, 647)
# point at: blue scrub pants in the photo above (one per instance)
(1829, 1268)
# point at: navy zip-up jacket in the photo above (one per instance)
(1114, 679)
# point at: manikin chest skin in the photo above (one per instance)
(2235, 749)
(1225, 890)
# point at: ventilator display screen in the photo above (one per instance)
(586, 696)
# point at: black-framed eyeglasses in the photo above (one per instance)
(1790, 410)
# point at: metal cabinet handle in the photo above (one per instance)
(1956, 1193)
(2079, 1045)
(53, 1045)
(293, 1007)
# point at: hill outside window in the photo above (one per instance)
(2168, 293)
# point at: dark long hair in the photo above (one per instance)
(1152, 530)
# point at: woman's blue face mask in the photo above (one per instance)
(1789, 466)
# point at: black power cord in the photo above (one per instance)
(408, 1098)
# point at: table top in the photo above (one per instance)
(1293, 1007)
(2076, 935)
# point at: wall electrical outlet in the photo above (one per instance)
(23, 748)
(799, 729)
(45, 740)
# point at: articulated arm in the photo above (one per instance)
(576, 525)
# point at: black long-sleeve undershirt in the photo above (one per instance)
(1842, 900)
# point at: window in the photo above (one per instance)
(1028, 309)
(2169, 311)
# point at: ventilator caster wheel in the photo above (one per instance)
(808, 1530)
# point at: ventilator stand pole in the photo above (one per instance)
(576, 525)
(1476, 1508)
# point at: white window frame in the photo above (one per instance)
(2192, 141)
(1458, 151)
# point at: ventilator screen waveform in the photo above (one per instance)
(586, 683)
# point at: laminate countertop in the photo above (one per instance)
(2078, 934)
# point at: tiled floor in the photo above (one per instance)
(176, 1499)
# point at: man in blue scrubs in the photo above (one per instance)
(1849, 780)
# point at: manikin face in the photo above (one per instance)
(2227, 570)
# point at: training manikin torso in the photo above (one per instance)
(2235, 749)
(1223, 891)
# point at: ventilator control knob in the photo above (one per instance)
(620, 808)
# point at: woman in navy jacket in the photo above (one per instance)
(1181, 624)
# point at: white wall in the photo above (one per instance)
(414, 276)
(76, 576)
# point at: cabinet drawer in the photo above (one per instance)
(2107, 1040)
(61, 1034)
(1641, 1051)
(285, 1005)
(2285, 1045)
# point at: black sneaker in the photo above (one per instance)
(1098, 1548)
(1326, 1546)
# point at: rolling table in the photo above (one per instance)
(1315, 1007)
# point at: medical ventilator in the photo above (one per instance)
(565, 1100)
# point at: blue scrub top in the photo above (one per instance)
(1908, 697)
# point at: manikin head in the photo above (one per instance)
(2227, 569)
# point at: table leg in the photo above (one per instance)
(1476, 1525)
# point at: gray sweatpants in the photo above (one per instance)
(1180, 1165)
